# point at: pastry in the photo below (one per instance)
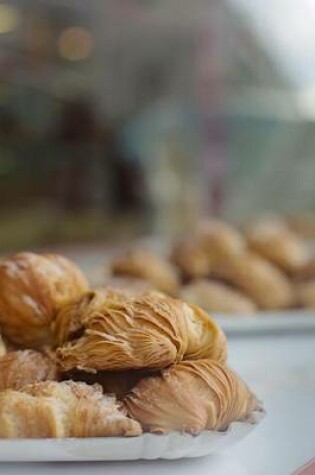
(307, 271)
(150, 331)
(264, 283)
(306, 294)
(276, 243)
(191, 259)
(145, 265)
(219, 240)
(191, 396)
(217, 297)
(32, 288)
(67, 409)
(128, 285)
(19, 368)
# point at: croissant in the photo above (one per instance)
(217, 297)
(278, 244)
(19, 368)
(191, 396)
(142, 264)
(32, 288)
(219, 240)
(149, 331)
(67, 409)
(264, 283)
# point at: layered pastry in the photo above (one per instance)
(19, 368)
(264, 283)
(218, 297)
(67, 409)
(152, 331)
(191, 259)
(307, 271)
(191, 396)
(219, 240)
(275, 242)
(145, 265)
(33, 288)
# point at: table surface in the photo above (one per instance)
(281, 370)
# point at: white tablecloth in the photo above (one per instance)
(282, 372)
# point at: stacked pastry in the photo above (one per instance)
(107, 362)
(222, 269)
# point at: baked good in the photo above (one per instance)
(150, 331)
(128, 285)
(264, 283)
(19, 368)
(67, 409)
(191, 396)
(191, 259)
(219, 240)
(215, 296)
(32, 288)
(275, 242)
(306, 294)
(307, 271)
(143, 264)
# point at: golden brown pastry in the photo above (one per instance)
(191, 396)
(217, 297)
(142, 264)
(306, 294)
(264, 283)
(3, 348)
(191, 259)
(219, 240)
(32, 288)
(307, 271)
(128, 285)
(19, 368)
(67, 409)
(150, 331)
(275, 242)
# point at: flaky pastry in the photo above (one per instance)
(149, 331)
(278, 244)
(32, 288)
(219, 240)
(19, 368)
(264, 283)
(191, 259)
(143, 264)
(67, 409)
(217, 297)
(191, 396)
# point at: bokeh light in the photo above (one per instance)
(75, 43)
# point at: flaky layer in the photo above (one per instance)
(191, 396)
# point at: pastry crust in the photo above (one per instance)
(191, 397)
(217, 297)
(67, 409)
(19, 368)
(275, 242)
(142, 264)
(33, 287)
(264, 283)
(191, 259)
(149, 331)
(219, 240)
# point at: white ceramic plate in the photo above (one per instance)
(147, 446)
(268, 322)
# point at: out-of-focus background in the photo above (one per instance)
(121, 118)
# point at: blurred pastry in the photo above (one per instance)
(275, 242)
(19, 368)
(191, 259)
(217, 297)
(303, 224)
(32, 288)
(219, 240)
(307, 271)
(150, 331)
(264, 283)
(191, 396)
(145, 265)
(66, 409)
(306, 294)
(128, 285)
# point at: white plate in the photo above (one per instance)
(268, 322)
(146, 446)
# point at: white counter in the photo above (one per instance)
(282, 372)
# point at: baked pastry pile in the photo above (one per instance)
(107, 362)
(223, 269)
